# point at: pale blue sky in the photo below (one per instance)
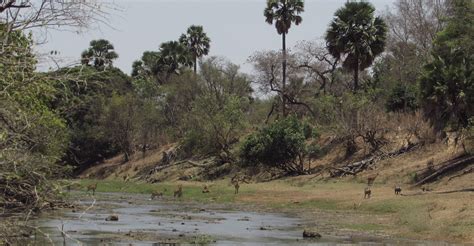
(236, 28)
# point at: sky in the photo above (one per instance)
(237, 28)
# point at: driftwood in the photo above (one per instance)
(451, 165)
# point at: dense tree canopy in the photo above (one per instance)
(447, 85)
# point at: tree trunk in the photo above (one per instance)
(195, 64)
(283, 89)
(356, 74)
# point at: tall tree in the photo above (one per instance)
(100, 53)
(197, 42)
(447, 85)
(283, 13)
(174, 56)
(356, 33)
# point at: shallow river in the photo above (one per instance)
(160, 222)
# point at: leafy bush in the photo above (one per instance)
(32, 136)
(280, 144)
(212, 127)
(402, 98)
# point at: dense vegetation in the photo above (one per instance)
(356, 86)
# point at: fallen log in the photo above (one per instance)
(462, 174)
(458, 163)
(439, 192)
(455, 191)
(360, 166)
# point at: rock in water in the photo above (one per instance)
(112, 217)
(311, 234)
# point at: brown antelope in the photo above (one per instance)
(178, 192)
(367, 192)
(236, 186)
(205, 189)
(92, 187)
(371, 179)
(398, 190)
(156, 194)
(235, 181)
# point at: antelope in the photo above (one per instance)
(236, 186)
(235, 181)
(398, 190)
(205, 189)
(367, 192)
(371, 179)
(178, 192)
(92, 187)
(156, 194)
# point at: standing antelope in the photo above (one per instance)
(178, 192)
(371, 179)
(92, 187)
(235, 181)
(367, 192)
(205, 189)
(398, 190)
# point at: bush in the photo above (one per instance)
(280, 144)
(402, 98)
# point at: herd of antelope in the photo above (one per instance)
(370, 182)
(236, 181)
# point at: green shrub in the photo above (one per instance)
(280, 144)
(402, 98)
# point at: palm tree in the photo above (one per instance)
(174, 56)
(148, 65)
(100, 53)
(283, 13)
(357, 34)
(197, 42)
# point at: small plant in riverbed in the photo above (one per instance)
(203, 240)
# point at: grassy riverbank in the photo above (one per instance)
(334, 205)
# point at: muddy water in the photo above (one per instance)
(161, 222)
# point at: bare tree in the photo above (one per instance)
(417, 22)
(27, 14)
(315, 60)
(267, 67)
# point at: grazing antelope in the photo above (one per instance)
(178, 192)
(205, 189)
(367, 193)
(156, 194)
(92, 187)
(398, 190)
(371, 179)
